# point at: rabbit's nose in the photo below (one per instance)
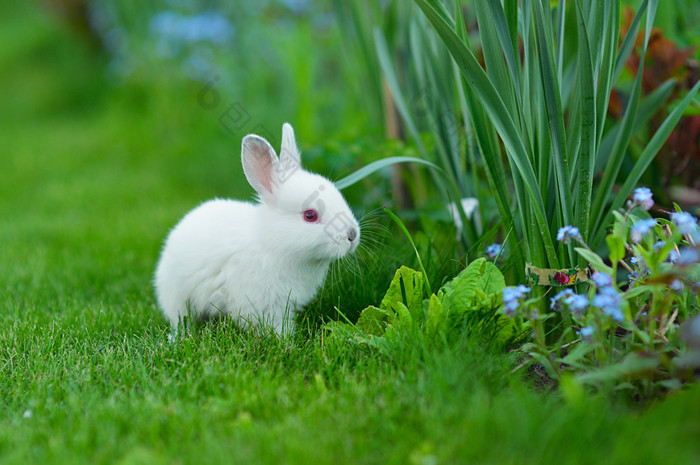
(352, 234)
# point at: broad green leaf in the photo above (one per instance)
(578, 353)
(478, 286)
(373, 321)
(405, 289)
(437, 320)
(402, 320)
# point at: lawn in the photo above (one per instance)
(94, 174)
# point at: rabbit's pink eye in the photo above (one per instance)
(311, 216)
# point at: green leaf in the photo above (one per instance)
(373, 321)
(499, 115)
(616, 246)
(553, 106)
(619, 149)
(594, 260)
(578, 353)
(393, 82)
(650, 151)
(437, 321)
(406, 289)
(377, 165)
(586, 155)
(631, 367)
(478, 286)
(402, 320)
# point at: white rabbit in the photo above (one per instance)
(257, 262)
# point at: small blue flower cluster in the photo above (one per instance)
(641, 198)
(494, 250)
(512, 297)
(640, 229)
(209, 26)
(586, 332)
(576, 303)
(685, 222)
(688, 256)
(607, 297)
(567, 233)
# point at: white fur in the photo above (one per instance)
(256, 262)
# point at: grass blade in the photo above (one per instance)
(399, 223)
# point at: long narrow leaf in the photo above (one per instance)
(647, 108)
(620, 148)
(648, 155)
(393, 83)
(496, 110)
(555, 115)
(585, 162)
(377, 165)
(500, 22)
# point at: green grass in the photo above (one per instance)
(92, 178)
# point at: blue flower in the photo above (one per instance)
(566, 233)
(609, 300)
(493, 250)
(676, 285)
(512, 297)
(642, 199)
(601, 279)
(633, 277)
(586, 332)
(640, 263)
(207, 26)
(673, 256)
(688, 256)
(640, 228)
(557, 300)
(577, 304)
(685, 222)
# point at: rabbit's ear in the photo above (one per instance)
(259, 161)
(289, 153)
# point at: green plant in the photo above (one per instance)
(623, 332)
(548, 107)
(465, 303)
